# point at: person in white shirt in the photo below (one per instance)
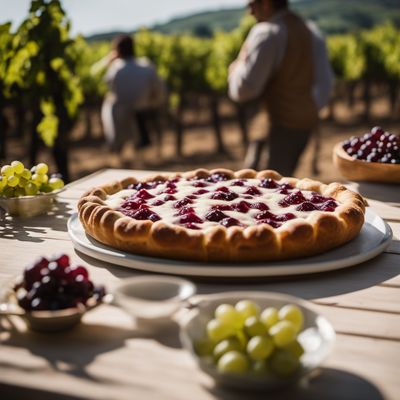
(284, 62)
(134, 88)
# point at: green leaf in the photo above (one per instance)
(48, 126)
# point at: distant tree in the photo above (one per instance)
(42, 67)
(203, 31)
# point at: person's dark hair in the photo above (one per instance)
(279, 4)
(124, 46)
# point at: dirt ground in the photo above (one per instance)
(199, 144)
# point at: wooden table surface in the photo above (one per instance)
(108, 357)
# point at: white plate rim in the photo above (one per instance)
(302, 266)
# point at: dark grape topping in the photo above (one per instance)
(190, 225)
(183, 202)
(200, 183)
(243, 206)
(253, 191)
(170, 191)
(292, 198)
(375, 146)
(260, 206)
(270, 222)
(238, 182)
(185, 210)
(169, 197)
(136, 205)
(143, 194)
(140, 185)
(268, 184)
(200, 191)
(306, 206)
(157, 203)
(215, 215)
(224, 196)
(190, 218)
(229, 221)
(217, 178)
(223, 207)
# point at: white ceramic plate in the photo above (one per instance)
(374, 237)
(317, 337)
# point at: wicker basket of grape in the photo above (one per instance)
(27, 193)
(374, 157)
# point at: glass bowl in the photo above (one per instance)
(317, 338)
(152, 300)
(29, 206)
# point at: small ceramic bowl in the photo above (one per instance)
(317, 338)
(46, 320)
(360, 170)
(29, 206)
(151, 299)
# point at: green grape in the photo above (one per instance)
(56, 183)
(269, 316)
(39, 178)
(18, 167)
(283, 362)
(7, 170)
(204, 347)
(12, 180)
(254, 327)
(233, 362)
(261, 367)
(8, 191)
(45, 188)
(229, 315)
(42, 178)
(242, 337)
(260, 347)
(3, 182)
(292, 313)
(283, 333)
(19, 191)
(26, 174)
(227, 345)
(35, 178)
(218, 330)
(296, 348)
(31, 189)
(42, 169)
(247, 308)
(22, 182)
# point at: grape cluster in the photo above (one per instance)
(17, 181)
(245, 339)
(375, 146)
(53, 284)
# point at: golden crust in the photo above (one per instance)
(321, 231)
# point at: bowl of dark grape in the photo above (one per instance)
(256, 340)
(373, 157)
(51, 294)
(27, 193)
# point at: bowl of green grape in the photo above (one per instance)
(256, 340)
(28, 192)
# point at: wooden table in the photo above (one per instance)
(108, 357)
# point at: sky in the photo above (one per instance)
(95, 16)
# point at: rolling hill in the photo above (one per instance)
(332, 16)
